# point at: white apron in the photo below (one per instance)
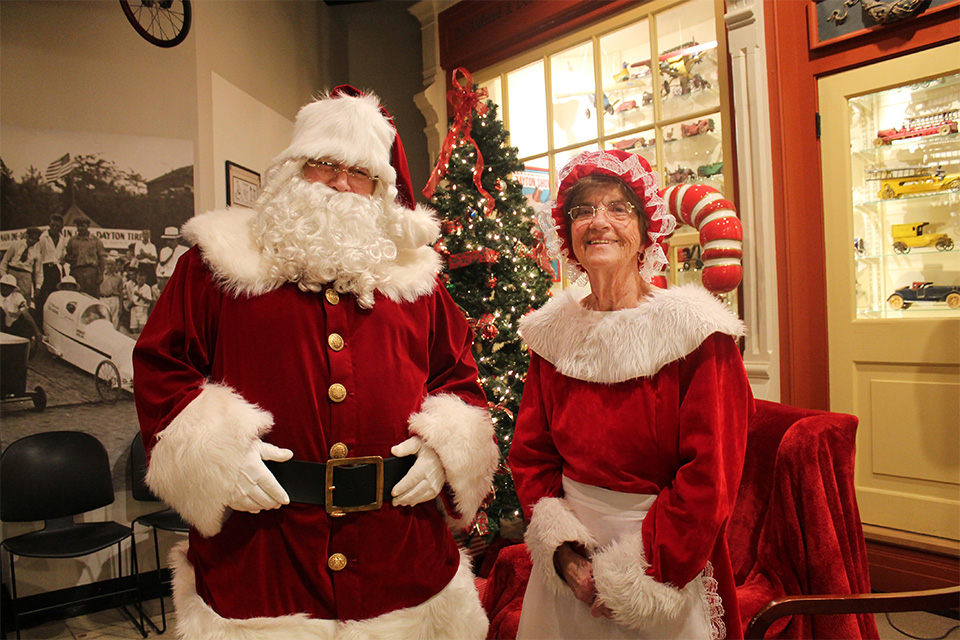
(608, 515)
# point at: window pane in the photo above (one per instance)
(493, 91)
(694, 152)
(574, 96)
(563, 157)
(627, 81)
(688, 58)
(528, 109)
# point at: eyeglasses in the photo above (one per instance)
(618, 211)
(358, 177)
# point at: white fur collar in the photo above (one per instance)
(615, 346)
(231, 253)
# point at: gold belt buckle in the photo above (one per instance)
(333, 463)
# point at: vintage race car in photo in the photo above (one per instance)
(79, 329)
(924, 292)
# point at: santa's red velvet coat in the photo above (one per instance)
(225, 359)
(651, 400)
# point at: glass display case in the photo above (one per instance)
(905, 179)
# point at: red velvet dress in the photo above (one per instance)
(276, 351)
(669, 420)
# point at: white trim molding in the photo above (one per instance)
(747, 44)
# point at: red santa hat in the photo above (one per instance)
(636, 173)
(351, 127)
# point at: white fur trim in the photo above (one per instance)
(463, 437)
(636, 599)
(413, 274)
(194, 465)
(231, 253)
(230, 250)
(552, 523)
(614, 346)
(420, 227)
(455, 612)
(349, 129)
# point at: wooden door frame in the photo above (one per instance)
(798, 200)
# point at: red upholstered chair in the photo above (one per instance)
(795, 530)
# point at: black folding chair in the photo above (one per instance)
(55, 476)
(163, 520)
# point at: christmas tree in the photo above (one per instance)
(495, 268)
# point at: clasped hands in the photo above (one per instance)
(258, 490)
(577, 571)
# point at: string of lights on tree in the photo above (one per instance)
(495, 268)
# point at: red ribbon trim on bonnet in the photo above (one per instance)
(465, 101)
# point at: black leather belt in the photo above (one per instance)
(341, 485)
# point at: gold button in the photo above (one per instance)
(335, 340)
(332, 296)
(337, 392)
(337, 562)
(338, 450)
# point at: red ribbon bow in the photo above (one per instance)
(465, 101)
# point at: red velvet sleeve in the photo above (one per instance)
(172, 357)
(534, 461)
(452, 367)
(689, 515)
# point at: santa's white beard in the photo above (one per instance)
(314, 235)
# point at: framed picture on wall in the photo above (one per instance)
(243, 185)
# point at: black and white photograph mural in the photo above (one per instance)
(89, 235)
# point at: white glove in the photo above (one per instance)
(257, 489)
(424, 480)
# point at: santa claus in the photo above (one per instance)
(310, 405)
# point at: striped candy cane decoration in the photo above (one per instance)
(721, 236)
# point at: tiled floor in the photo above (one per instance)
(105, 625)
(113, 625)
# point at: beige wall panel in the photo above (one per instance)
(80, 66)
(265, 133)
(907, 448)
(267, 51)
(932, 452)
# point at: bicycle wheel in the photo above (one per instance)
(164, 23)
(108, 382)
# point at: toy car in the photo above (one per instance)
(924, 292)
(707, 170)
(908, 236)
(894, 187)
(681, 175)
(628, 143)
(943, 123)
(697, 128)
(79, 330)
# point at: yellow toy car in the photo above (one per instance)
(908, 236)
(894, 187)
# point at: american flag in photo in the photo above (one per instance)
(59, 168)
